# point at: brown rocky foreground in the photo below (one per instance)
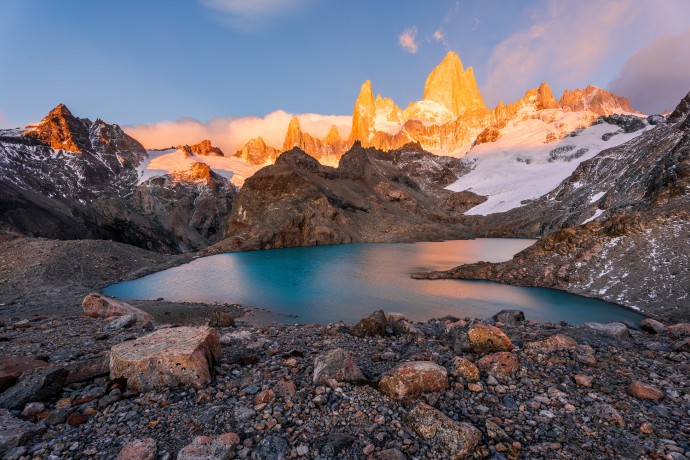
(436, 389)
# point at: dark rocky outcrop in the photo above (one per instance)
(372, 196)
(192, 205)
(70, 178)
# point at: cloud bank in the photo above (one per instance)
(407, 40)
(567, 44)
(656, 77)
(230, 133)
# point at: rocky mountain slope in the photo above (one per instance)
(70, 178)
(192, 205)
(371, 196)
(327, 151)
(616, 229)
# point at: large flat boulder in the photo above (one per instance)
(444, 435)
(36, 386)
(15, 432)
(336, 364)
(409, 380)
(181, 356)
(557, 342)
(11, 368)
(100, 306)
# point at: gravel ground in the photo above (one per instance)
(542, 411)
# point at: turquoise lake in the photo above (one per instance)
(325, 284)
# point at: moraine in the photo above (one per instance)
(323, 284)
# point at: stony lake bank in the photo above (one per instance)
(115, 382)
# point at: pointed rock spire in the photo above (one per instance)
(545, 99)
(450, 85)
(363, 115)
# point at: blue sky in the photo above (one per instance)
(133, 62)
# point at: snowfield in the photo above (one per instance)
(521, 166)
(160, 162)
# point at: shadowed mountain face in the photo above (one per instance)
(69, 178)
(616, 229)
(372, 196)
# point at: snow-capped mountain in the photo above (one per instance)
(68, 177)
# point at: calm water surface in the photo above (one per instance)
(328, 283)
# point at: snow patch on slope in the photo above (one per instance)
(160, 162)
(521, 166)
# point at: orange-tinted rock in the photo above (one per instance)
(461, 367)
(205, 447)
(264, 397)
(444, 435)
(490, 134)
(12, 368)
(363, 116)
(173, 357)
(373, 326)
(77, 419)
(409, 380)
(679, 331)
(141, 449)
(488, 339)
(62, 130)
(256, 152)
(328, 151)
(203, 148)
(285, 388)
(336, 364)
(99, 306)
(556, 342)
(502, 364)
(595, 100)
(545, 99)
(450, 85)
(642, 390)
(584, 380)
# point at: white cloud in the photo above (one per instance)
(440, 36)
(245, 14)
(476, 23)
(565, 43)
(656, 77)
(407, 40)
(230, 133)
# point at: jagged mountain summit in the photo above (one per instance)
(256, 152)
(70, 178)
(596, 100)
(203, 148)
(453, 87)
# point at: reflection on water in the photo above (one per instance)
(328, 283)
